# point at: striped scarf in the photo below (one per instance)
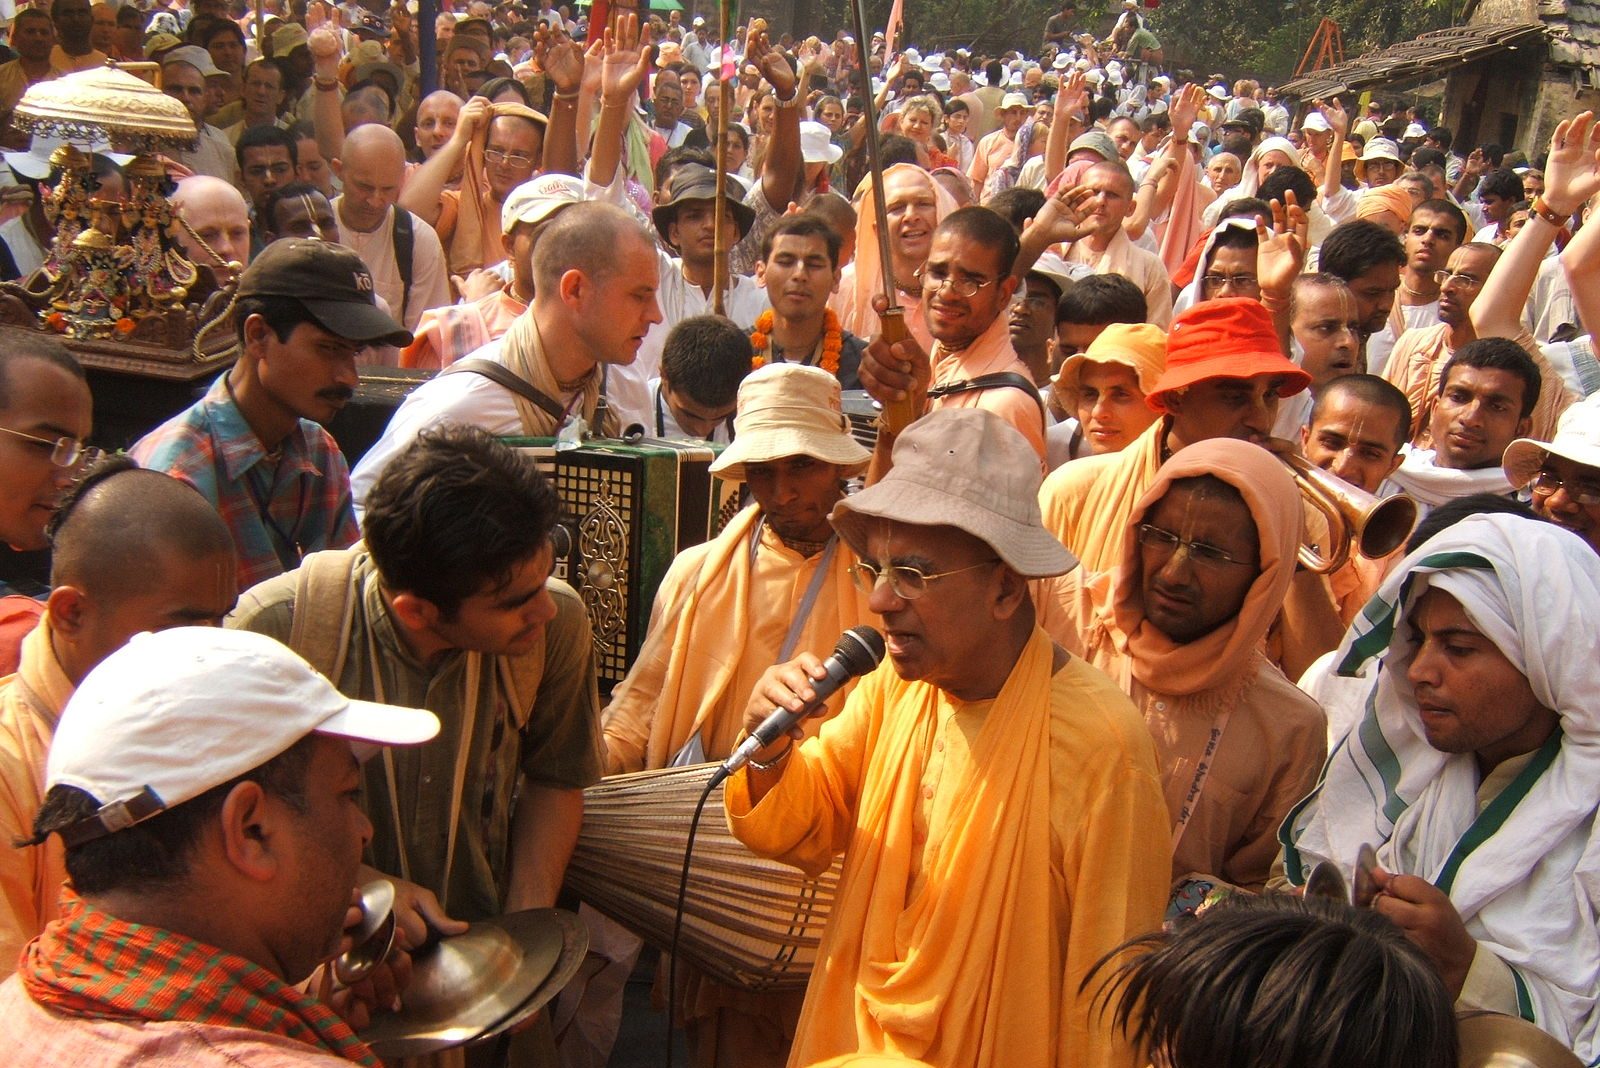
(93, 965)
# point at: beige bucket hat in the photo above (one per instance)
(965, 468)
(790, 409)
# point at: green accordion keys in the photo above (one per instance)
(629, 508)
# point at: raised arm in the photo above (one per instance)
(622, 68)
(562, 60)
(1581, 260)
(1334, 112)
(781, 174)
(1571, 177)
(327, 118)
(420, 194)
(1071, 115)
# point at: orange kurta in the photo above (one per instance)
(994, 851)
(31, 878)
(1087, 503)
(991, 352)
(719, 621)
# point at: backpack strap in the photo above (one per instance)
(996, 380)
(404, 236)
(324, 606)
(502, 375)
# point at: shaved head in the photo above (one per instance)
(134, 551)
(121, 514)
(374, 144)
(587, 237)
(218, 213)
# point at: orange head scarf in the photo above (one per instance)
(477, 239)
(869, 263)
(1393, 199)
(1274, 502)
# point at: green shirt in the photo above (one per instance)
(535, 717)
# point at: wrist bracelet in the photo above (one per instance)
(792, 102)
(1544, 211)
(775, 761)
(573, 95)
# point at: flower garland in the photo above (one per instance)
(832, 341)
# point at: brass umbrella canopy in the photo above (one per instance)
(106, 103)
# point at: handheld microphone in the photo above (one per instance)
(860, 649)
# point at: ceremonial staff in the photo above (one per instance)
(727, 78)
(897, 415)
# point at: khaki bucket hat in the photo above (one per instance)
(790, 409)
(965, 468)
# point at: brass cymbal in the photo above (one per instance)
(1327, 881)
(1494, 1040)
(473, 985)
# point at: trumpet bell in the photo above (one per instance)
(1357, 520)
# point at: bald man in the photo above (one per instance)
(220, 217)
(436, 121)
(402, 251)
(594, 274)
(184, 578)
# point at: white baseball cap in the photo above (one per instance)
(1012, 100)
(1217, 92)
(537, 199)
(1316, 123)
(173, 714)
(1058, 270)
(196, 57)
(1577, 439)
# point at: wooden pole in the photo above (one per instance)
(727, 78)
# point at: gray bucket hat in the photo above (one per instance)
(965, 468)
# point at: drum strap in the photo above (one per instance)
(693, 751)
(1202, 772)
(809, 600)
(472, 693)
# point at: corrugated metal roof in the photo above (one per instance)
(1433, 54)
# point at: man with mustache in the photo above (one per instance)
(252, 445)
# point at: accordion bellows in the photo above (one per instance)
(748, 921)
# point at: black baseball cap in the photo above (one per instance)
(1252, 119)
(331, 281)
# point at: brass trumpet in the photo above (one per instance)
(1371, 526)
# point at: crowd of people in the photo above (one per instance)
(1124, 714)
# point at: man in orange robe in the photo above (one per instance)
(996, 799)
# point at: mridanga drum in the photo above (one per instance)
(748, 921)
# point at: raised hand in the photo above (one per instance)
(1572, 173)
(1073, 99)
(626, 60)
(562, 59)
(1334, 112)
(1184, 108)
(1281, 255)
(770, 62)
(1064, 216)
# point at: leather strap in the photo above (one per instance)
(504, 376)
(996, 380)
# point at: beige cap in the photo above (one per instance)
(965, 468)
(790, 409)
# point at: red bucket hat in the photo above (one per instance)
(1232, 337)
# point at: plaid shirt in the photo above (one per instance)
(277, 512)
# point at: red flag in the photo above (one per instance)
(892, 30)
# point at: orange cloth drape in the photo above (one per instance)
(1087, 503)
(1044, 847)
(704, 635)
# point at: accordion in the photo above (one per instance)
(629, 508)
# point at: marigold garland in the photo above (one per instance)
(832, 340)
